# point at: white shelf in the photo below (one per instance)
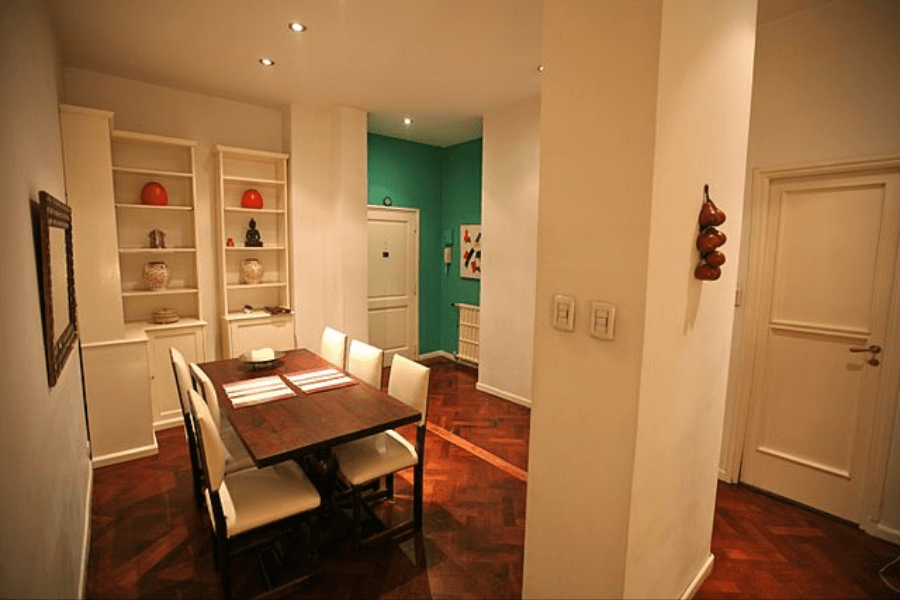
(165, 292)
(239, 169)
(256, 180)
(253, 315)
(142, 251)
(258, 286)
(265, 211)
(138, 158)
(254, 248)
(152, 207)
(151, 172)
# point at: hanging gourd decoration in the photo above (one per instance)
(252, 199)
(709, 240)
(154, 194)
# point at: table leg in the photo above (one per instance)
(321, 467)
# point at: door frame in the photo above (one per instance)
(755, 288)
(416, 214)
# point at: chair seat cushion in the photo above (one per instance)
(257, 497)
(374, 456)
(238, 457)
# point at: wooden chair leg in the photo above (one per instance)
(357, 517)
(389, 485)
(226, 569)
(418, 472)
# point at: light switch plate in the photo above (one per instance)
(563, 317)
(602, 320)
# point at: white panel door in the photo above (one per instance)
(829, 263)
(393, 251)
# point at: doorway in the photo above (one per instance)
(819, 376)
(393, 300)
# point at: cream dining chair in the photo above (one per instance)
(334, 347)
(366, 363)
(383, 454)
(237, 457)
(182, 385)
(247, 500)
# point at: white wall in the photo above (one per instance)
(702, 122)
(328, 187)
(642, 103)
(598, 107)
(209, 120)
(45, 466)
(509, 200)
(826, 86)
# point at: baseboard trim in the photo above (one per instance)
(883, 532)
(437, 354)
(169, 422)
(488, 389)
(126, 455)
(86, 543)
(699, 578)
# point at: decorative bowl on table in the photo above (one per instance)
(261, 358)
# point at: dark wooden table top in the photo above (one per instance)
(281, 429)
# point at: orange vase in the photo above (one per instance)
(154, 194)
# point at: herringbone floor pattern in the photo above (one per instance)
(149, 540)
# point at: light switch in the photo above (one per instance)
(603, 320)
(563, 317)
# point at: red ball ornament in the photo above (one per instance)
(252, 199)
(154, 194)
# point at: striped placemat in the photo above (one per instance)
(319, 380)
(256, 391)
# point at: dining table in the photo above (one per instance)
(301, 414)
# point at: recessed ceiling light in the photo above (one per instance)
(295, 26)
(266, 62)
(407, 121)
(540, 68)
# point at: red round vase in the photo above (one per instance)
(252, 199)
(154, 194)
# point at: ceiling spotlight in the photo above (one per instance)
(266, 62)
(295, 26)
(407, 121)
(540, 68)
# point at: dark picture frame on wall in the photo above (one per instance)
(52, 228)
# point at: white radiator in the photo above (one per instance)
(469, 320)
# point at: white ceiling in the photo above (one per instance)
(442, 62)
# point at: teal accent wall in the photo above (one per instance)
(461, 204)
(445, 185)
(411, 174)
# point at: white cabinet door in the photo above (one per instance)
(164, 395)
(271, 332)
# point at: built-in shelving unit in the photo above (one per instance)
(266, 172)
(138, 159)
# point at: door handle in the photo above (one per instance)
(873, 349)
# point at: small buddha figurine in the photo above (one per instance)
(252, 240)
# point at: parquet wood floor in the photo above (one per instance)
(768, 548)
(149, 541)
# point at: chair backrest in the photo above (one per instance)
(408, 382)
(366, 362)
(182, 378)
(210, 441)
(334, 347)
(208, 390)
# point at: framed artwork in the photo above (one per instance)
(470, 251)
(52, 229)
